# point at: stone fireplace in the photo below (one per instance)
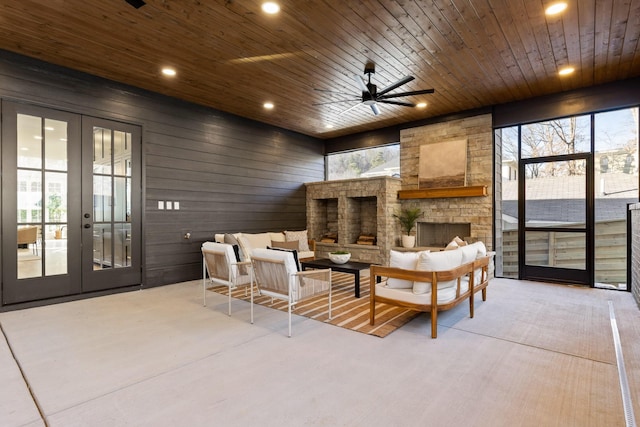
(439, 234)
(350, 208)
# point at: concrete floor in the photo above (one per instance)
(535, 354)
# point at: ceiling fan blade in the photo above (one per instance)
(375, 109)
(337, 102)
(415, 92)
(406, 104)
(399, 83)
(349, 109)
(361, 84)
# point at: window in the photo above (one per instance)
(368, 162)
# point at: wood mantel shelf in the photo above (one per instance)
(441, 193)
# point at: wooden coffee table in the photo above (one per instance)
(351, 267)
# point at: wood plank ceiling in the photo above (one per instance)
(231, 56)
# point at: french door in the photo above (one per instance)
(71, 210)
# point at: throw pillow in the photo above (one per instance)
(286, 245)
(230, 239)
(301, 236)
(451, 246)
(459, 241)
(405, 261)
(437, 261)
(293, 251)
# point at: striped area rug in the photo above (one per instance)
(347, 311)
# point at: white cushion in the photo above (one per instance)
(469, 253)
(277, 236)
(459, 241)
(287, 256)
(229, 254)
(406, 261)
(482, 252)
(250, 241)
(219, 238)
(437, 261)
(306, 254)
(302, 236)
(482, 249)
(451, 246)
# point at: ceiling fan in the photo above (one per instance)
(370, 94)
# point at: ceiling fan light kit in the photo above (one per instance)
(370, 95)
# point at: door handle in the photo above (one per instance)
(87, 226)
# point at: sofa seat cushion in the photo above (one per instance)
(445, 293)
(306, 254)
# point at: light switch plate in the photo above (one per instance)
(160, 205)
(176, 205)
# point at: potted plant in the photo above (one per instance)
(407, 218)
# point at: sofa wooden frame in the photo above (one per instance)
(434, 277)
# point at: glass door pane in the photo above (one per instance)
(556, 238)
(111, 198)
(42, 196)
(41, 203)
(111, 209)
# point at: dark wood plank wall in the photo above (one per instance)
(228, 173)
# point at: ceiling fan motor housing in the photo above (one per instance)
(370, 97)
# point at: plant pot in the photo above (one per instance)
(408, 241)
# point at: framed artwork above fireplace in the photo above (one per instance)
(443, 164)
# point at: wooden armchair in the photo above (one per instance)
(467, 279)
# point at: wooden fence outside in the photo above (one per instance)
(566, 250)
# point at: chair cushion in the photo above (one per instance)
(285, 256)
(406, 261)
(301, 236)
(293, 251)
(229, 253)
(437, 261)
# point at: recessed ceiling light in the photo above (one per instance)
(270, 7)
(421, 105)
(566, 71)
(268, 105)
(329, 126)
(169, 72)
(555, 8)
